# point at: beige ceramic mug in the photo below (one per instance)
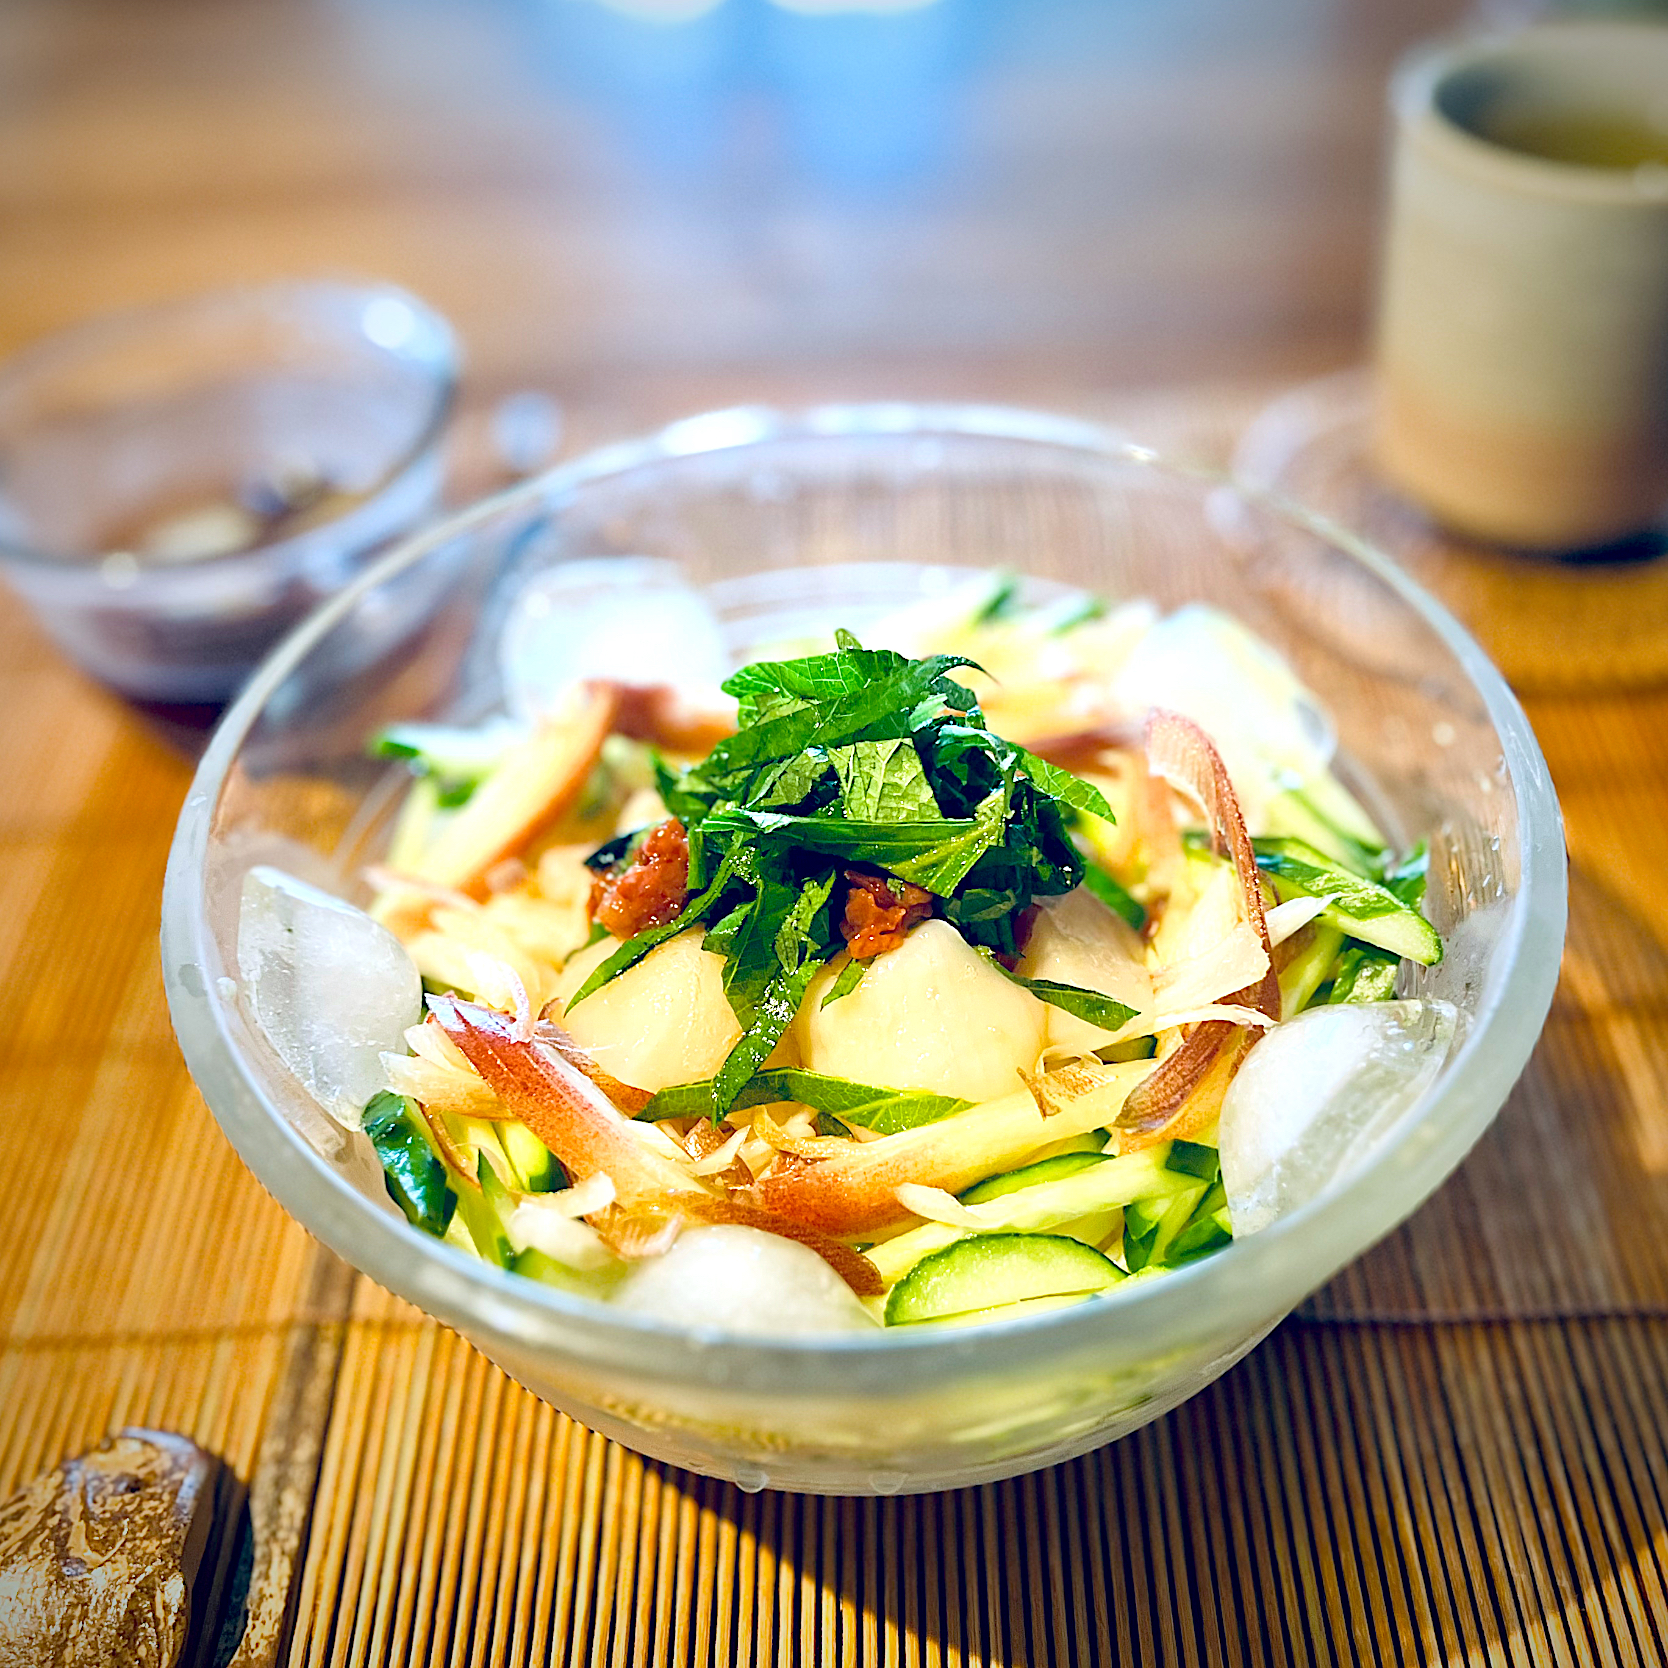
(1523, 321)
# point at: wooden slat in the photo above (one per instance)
(1308, 1509)
(130, 1214)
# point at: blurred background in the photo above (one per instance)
(652, 207)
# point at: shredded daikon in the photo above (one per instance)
(1292, 916)
(584, 1198)
(537, 1223)
(933, 1204)
(443, 1088)
(1238, 960)
(721, 1157)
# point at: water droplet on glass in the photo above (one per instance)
(191, 977)
(751, 1478)
(886, 1482)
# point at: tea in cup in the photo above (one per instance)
(182, 484)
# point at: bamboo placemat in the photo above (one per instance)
(1456, 1453)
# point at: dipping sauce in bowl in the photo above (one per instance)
(180, 485)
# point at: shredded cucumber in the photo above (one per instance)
(482, 1213)
(1048, 1206)
(1045, 1170)
(532, 1160)
(452, 754)
(1312, 963)
(1358, 908)
(990, 1270)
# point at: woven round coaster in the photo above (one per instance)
(1593, 621)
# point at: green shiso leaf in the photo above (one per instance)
(883, 781)
(935, 853)
(807, 935)
(777, 949)
(787, 707)
(1062, 785)
(813, 679)
(1090, 1005)
(885, 1110)
(799, 778)
(722, 936)
(849, 978)
(893, 1113)
(1113, 895)
(774, 1013)
(785, 930)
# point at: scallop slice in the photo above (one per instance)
(932, 1014)
(1077, 940)
(664, 1021)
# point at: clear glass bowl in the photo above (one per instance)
(841, 513)
(182, 484)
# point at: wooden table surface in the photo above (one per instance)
(1159, 210)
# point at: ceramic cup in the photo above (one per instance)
(1523, 319)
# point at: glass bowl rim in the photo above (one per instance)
(477, 1298)
(108, 329)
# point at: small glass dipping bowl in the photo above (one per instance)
(180, 484)
(792, 524)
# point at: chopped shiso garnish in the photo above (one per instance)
(864, 757)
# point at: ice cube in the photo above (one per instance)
(1316, 1095)
(331, 988)
(735, 1279)
(634, 618)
